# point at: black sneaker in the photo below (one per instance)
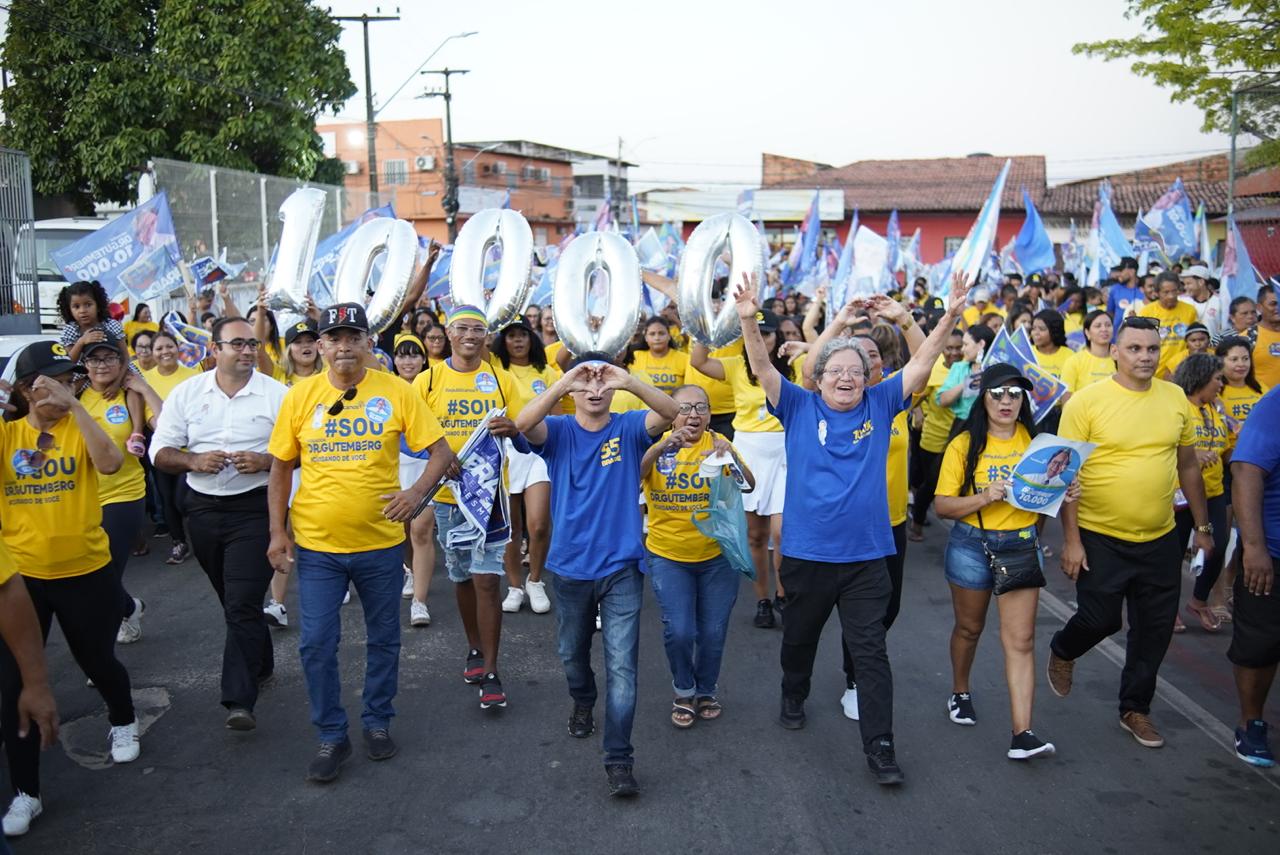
(161, 530)
(792, 715)
(960, 709)
(491, 694)
(379, 745)
(622, 784)
(328, 762)
(1026, 745)
(474, 672)
(883, 763)
(764, 615)
(239, 718)
(581, 723)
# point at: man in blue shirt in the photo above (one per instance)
(1125, 297)
(597, 544)
(1255, 634)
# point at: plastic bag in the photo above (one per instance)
(725, 522)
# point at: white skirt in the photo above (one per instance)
(765, 454)
(524, 470)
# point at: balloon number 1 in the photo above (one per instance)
(301, 214)
(587, 256)
(697, 276)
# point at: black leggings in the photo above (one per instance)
(85, 607)
(895, 564)
(930, 461)
(1183, 523)
(122, 522)
(173, 491)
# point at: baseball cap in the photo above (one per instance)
(1002, 374)
(348, 316)
(306, 327)
(1035, 279)
(44, 357)
(108, 341)
(1197, 270)
(982, 294)
(767, 321)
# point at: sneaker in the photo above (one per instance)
(23, 809)
(514, 600)
(1251, 747)
(1142, 729)
(849, 703)
(418, 614)
(537, 594)
(1026, 745)
(124, 743)
(178, 554)
(960, 709)
(792, 715)
(581, 723)
(276, 614)
(780, 603)
(884, 764)
(161, 530)
(1059, 673)
(131, 627)
(239, 718)
(346, 597)
(406, 590)
(622, 784)
(491, 694)
(328, 761)
(474, 672)
(378, 744)
(764, 615)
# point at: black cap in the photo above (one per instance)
(108, 341)
(1002, 374)
(348, 316)
(1035, 279)
(307, 327)
(44, 357)
(767, 321)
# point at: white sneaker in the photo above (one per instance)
(849, 701)
(131, 627)
(23, 809)
(406, 590)
(418, 614)
(537, 593)
(276, 613)
(514, 600)
(124, 743)
(346, 598)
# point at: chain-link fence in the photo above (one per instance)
(18, 288)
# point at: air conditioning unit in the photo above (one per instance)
(351, 167)
(500, 168)
(424, 163)
(486, 168)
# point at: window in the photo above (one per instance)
(950, 245)
(556, 187)
(395, 172)
(469, 173)
(539, 237)
(511, 181)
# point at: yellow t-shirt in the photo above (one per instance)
(937, 418)
(52, 516)
(459, 401)
(1127, 484)
(996, 463)
(129, 483)
(753, 415)
(1237, 402)
(973, 314)
(720, 392)
(7, 568)
(1084, 369)
(530, 382)
(1173, 329)
(666, 373)
(1054, 362)
(566, 403)
(1266, 357)
(1072, 323)
(1211, 435)
(351, 460)
(673, 491)
(165, 384)
(624, 402)
(896, 469)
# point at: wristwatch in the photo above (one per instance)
(1207, 528)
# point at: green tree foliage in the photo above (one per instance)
(99, 86)
(1205, 49)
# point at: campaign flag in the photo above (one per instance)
(1237, 274)
(1205, 251)
(1005, 348)
(604, 214)
(746, 202)
(193, 341)
(324, 265)
(972, 253)
(893, 234)
(506, 200)
(845, 266)
(940, 276)
(1112, 244)
(207, 270)
(674, 245)
(870, 256)
(1040, 479)
(805, 252)
(480, 493)
(1017, 350)
(438, 279)
(134, 256)
(1032, 247)
(1170, 225)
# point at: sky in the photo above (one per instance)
(697, 90)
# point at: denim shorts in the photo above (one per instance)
(461, 563)
(966, 562)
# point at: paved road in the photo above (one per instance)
(467, 780)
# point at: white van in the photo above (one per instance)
(50, 235)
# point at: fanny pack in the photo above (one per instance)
(1015, 567)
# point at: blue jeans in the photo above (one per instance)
(322, 583)
(619, 597)
(696, 599)
(965, 563)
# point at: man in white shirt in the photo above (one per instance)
(215, 428)
(1196, 292)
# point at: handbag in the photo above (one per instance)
(1012, 569)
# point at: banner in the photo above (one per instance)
(1039, 482)
(134, 256)
(193, 341)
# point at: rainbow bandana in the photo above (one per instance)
(464, 312)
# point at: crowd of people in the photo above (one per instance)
(328, 451)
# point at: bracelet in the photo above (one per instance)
(908, 324)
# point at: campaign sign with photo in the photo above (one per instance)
(134, 256)
(1039, 482)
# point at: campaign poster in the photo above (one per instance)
(1039, 482)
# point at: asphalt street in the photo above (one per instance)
(513, 780)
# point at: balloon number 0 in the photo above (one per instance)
(584, 257)
(697, 276)
(510, 231)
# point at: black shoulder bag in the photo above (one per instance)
(1015, 568)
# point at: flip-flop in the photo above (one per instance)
(1223, 613)
(683, 715)
(1209, 621)
(1178, 625)
(709, 708)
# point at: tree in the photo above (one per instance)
(99, 86)
(1205, 50)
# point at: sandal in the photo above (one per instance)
(140, 550)
(1178, 625)
(709, 708)
(1223, 613)
(683, 714)
(1209, 621)
(915, 533)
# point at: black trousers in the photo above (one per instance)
(1145, 577)
(1184, 523)
(860, 591)
(895, 564)
(229, 537)
(173, 490)
(930, 463)
(122, 521)
(87, 612)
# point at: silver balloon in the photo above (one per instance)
(697, 275)
(397, 242)
(510, 231)
(586, 254)
(301, 214)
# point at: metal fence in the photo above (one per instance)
(19, 293)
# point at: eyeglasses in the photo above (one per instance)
(239, 344)
(998, 393)
(435, 339)
(699, 408)
(336, 409)
(44, 442)
(836, 373)
(108, 359)
(473, 331)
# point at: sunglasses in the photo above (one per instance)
(1139, 323)
(44, 442)
(239, 344)
(336, 409)
(998, 393)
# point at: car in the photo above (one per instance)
(11, 344)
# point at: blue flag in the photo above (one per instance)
(973, 250)
(845, 268)
(135, 256)
(1170, 225)
(893, 234)
(438, 279)
(1032, 248)
(805, 253)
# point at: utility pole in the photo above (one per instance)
(370, 127)
(617, 171)
(450, 201)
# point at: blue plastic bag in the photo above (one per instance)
(725, 522)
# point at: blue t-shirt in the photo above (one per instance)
(1259, 444)
(837, 507)
(595, 494)
(1122, 294)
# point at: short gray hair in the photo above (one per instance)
(835, 346)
